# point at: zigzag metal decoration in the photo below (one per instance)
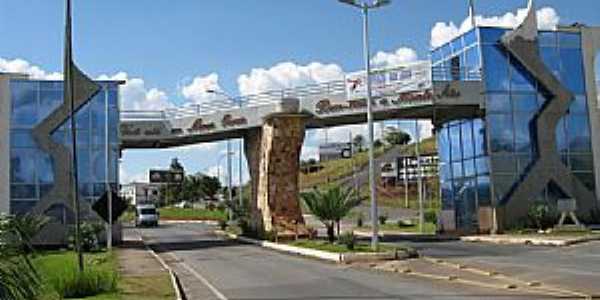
(522, 44)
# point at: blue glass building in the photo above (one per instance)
(31, 171)
(484, 156)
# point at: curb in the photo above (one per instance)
(319, 254)
(207, 222)
(529, 240)
(179, 293)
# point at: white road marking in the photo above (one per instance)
(204, 281)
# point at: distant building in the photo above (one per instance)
(141, 192)
(333, 151)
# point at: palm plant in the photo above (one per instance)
(18, 277)
(330, 206)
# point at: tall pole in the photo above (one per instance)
(108, 172)
(229, 181)
(240, 181)
(372, 188)
(419, 175)
(70, 98)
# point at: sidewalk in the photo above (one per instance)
(142, 276)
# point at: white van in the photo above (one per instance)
(146, 215)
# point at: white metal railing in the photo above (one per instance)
(419, 77)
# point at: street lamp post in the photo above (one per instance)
(240, 146)
(365, 6)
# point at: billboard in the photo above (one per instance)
(166, 176)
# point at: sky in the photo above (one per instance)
(171, 52)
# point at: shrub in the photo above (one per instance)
(430, 216)
(542, 216)
(89, 234)
(91, 282)
(347, 239)
(383, 219)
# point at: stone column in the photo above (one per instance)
(273, 154)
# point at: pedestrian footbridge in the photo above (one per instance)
(410, 91)
(273, 124)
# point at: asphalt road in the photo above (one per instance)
(213, 268)
(576, 267)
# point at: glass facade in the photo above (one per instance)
(32, 169)
(512, 99)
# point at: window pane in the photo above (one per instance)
(521, 79)
(21, 207)
(496, 68)
(551, 59)
(469, 168)
(572, 70)
(21, 139)
(444, 145)
(45, 168)
(24, 104)
(457, 170)
(548, 38)
(524, 102)
(501, 133)
(470, 38)
(481, 164)
(569, 40)
(522, 132)
(578, 133)
(50, 100)
(480, 141)
(483, 191)
(447, 195)
(23, 191)
(498, 103)
(455, 140)
(467, 139)
(22, 165)
(579, 105)
(491, 35)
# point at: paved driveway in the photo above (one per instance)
(213, 268)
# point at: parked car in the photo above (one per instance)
(146, 215)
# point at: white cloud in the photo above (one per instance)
(24, 67)
(204, 147)
(442, 32)
(401, 56)
(136, 96)
(125, 177)
(197, 90)
(287, 75)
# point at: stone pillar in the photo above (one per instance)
(273, 154)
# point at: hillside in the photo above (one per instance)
(341, 170)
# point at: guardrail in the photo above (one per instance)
(405, 78)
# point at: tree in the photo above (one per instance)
(331, 206)
(396, 137)
(210, 187)
(358, 142)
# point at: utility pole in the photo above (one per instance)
(419, 175)
(108, 172)
(365, 7)
(472, 13)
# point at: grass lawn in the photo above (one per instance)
(428, 228)
(190, 214)
(337, 248)
(56, 266)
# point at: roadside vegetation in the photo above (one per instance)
(193, 214)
